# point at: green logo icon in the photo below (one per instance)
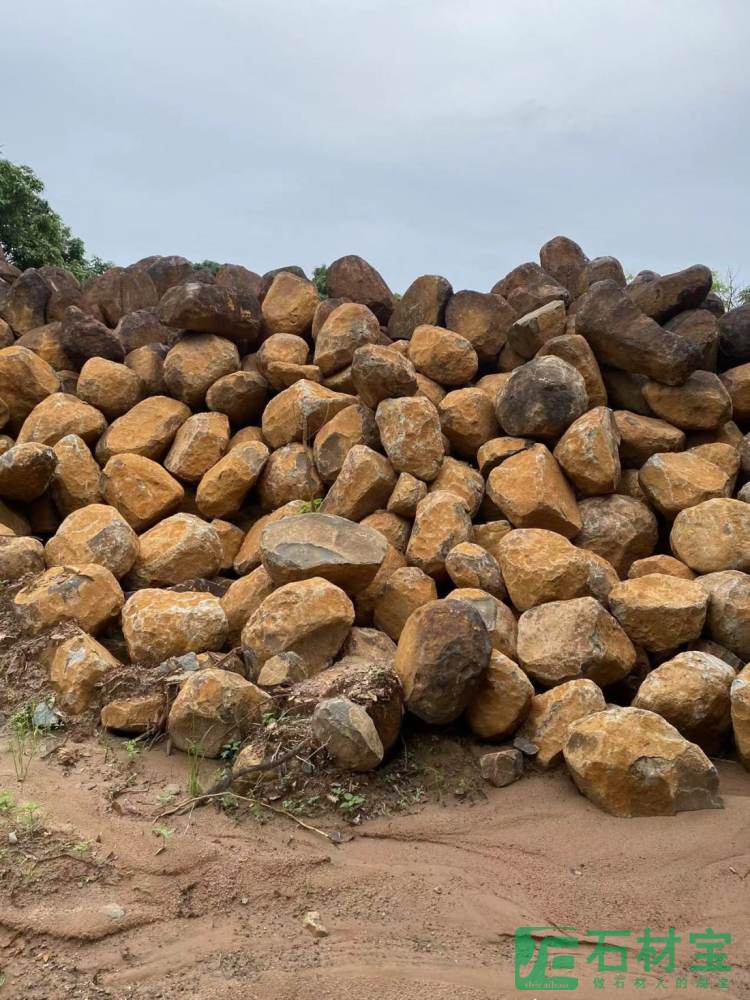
(540, 957)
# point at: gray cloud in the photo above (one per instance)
(428, 136)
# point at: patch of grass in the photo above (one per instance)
(29, 817)
(345, 801)
(230, 750)
(24, 740)
(195, 756)
(7, 803)
(311, 506)
(133, 750)
(162, 831)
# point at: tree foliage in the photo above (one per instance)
(32, 234)
(730, 290)
(206, 265)
(320, 280)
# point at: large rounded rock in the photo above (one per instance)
(353, 278)
(565, 640)
(467, 418)
(441, 523)
(354, 425)
(666, 295)
(498, 619)
(641, 437)
(463, 481)
(501, 701)
(140, 489)
(700, 403)
(75, 481)
(618, 528)
(691, 691)
(405, 590)
(740, 709)
(675, 481)
(363, 485)
(89, 595)
(728, 616)
(289, 304)
(148, 429)
(443, 651)
(713, 535)
(532, 492)
(423, 302)
(528, 287)
(348, 327)
(25, 380)
(223, 489)
(213, 708)
(348, 733)
(542, 399)
(211, 309)
(576, 351)
(198, 445)
(410, 431)
(289, 475)
(483, 319)
(19, 556)
(94, 534)
(240, 396)
(195, 363)
(529, 333)
(309, 617)
(552, 714)
(158, 624)
(659, 612)
(78, 668)
(26, 471)
(563, 259)
(588, 452)
(61, 414)
(248, 554)
(630, 762)
(442, 355)
(540, 566)
(322, 545)
(181, 547)
(469, 565)
(298, 413)
(110, 387)
(380, 372)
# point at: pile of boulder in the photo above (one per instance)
(521, 510)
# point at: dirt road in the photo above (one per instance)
(423, 905)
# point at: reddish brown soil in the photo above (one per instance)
(420, 905)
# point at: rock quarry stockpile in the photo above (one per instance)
(519, 510)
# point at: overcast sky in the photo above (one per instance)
(429, 136)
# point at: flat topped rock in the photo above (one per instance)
(324, 545)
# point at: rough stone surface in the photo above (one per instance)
(678, 480)
(532, 492)
(181, 547)
(502, 767)
(77, 669)
(140, 489)
(588, 452)
(348, 733)
(740, 711)
(501, 701)
(94, 534)
(213, 708)
(618, 528)
(441, 523)
(363, 485)
(552, 715)
(542, 399)
(410, 431)
(713, 535)
(443, 651)
(89, 595)
(659, 612)
(158, 624)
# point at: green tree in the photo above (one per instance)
(206, 265)
(320, 280)
(730, 290)
(32, 234)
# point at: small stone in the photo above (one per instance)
(406, 495)
(148, 429)
(469, 565)
(242, 598)
(442, 653)
(659, 612)
(58, 415)
(641, 437)
(20, 556)
(467, 418)
(354, 425)
(289, 475)
(667, 565)
(527, 287)
(77, 670)
(110, 387)
(286, 668)
(298, 413)
(134, 716)
(502, 767)
(363, 485)
(463, 481)
(423, 302)
(631, 762)
(530, 332)
(158, 624)
(314, 925)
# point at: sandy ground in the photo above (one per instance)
(423, 905)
